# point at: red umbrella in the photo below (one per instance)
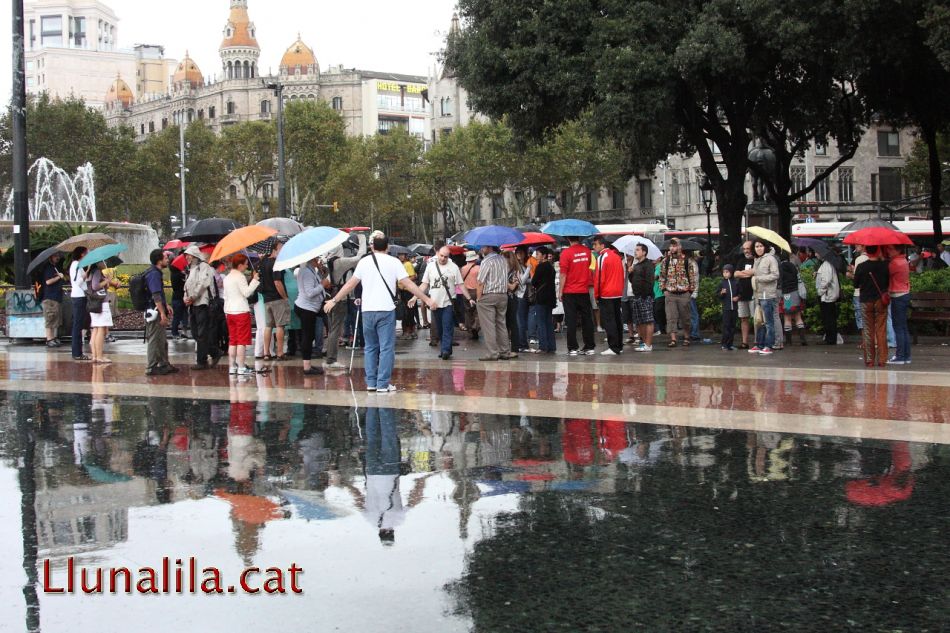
(533, 239)
(456, 250)
(180, 263)
(878, 236)
(356, 229)
(175, 244)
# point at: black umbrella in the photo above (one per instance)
(686, 245)
(422, 249)
(208, 230)
(528, 228)
(41, 259)
(396, 249)
(848, 229)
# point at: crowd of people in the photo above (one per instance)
(514, 301)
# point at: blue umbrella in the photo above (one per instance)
(492, 235)
(101, 254)
(570, 228)
(303, 247)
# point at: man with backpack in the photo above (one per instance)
(340, 270)
(51, 294)
(147, 291)
(201, 289)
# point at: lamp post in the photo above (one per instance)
(706, 189)
(278, 89)
(21, 206)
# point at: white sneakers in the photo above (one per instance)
(643, 348)
(608, 352)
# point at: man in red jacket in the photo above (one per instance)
(608, 290)
(575, 265)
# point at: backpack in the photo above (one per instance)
(138, 291)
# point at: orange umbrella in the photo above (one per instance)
(239, 239)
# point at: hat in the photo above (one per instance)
(471, 256)
(729, 267)
(195, 251)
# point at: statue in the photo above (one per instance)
(764, 158)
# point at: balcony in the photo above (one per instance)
(224, 119)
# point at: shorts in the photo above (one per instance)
(239, 329)
(745, 309)
(642, 310)
(52, 314)
(277, 313)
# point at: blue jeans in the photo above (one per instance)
(899, 307)
(180, 316)
(546, 341)
(693, 319)
(382, 442)
(522, 315)
(445, 317)
(80, 318)
(533, 323)
(379, 333)
(765, 334)
(859, 321)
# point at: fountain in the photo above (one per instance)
(59, 197)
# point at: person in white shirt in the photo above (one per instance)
(380, 275)
(440, 280)
(77, 283)
(238, 313)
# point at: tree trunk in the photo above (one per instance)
(936, 181)
(730, 209)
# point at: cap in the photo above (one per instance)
(471, 256)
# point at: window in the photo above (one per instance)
(211, 112)
(51, 32)
(231, 108)
(675, 189)
(846, 184)
(265, 107)
(445, 132)
(164, 122)
(32, 34)
(797, 176)
(646, 193)
(77, 32)
(337, 103)
(201, 113)
(446, 106)
(591, 200)
(619, 198)
(497, 206)
(232, 192)
(890, 183)
(151, 126)
(823, 188)
(888, 144)
(142, 128)
(821, 150)
(873, 187)
(687, 191)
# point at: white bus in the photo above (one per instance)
(922, 230)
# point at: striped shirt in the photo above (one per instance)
(493, 275)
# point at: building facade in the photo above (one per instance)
(71, 50)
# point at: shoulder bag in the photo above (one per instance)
(94, 298)
(885, 296)
(399, 305)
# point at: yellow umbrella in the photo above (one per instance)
(770, 236)
(239, 239)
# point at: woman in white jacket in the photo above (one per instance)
(829, 289)
(765, 276)
(238, 313)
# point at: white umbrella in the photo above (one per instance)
(628, 243)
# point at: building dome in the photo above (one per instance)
(188, 73)
(119, 95)
(298, 55)
(239, 31)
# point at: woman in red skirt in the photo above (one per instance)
(238, 313)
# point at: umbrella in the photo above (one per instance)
(770, 236)
(112, 262)
(86, 240)
(533, 238)
(283, 226)
(174, 245)
(492, 235)
(101, 254)
(240, 239)
(422, 249)
(357, 229)
(627, 243)
(180, 263)
(305, 246)
(208, 230)
(877, 236)
(41, 259)
(824, 251)
(528, 228)
(311, 506)
(686, 245)
(456, 250)
(809, 242)
(184, 229)
(848, 229)
(570, 228)
(395, 250)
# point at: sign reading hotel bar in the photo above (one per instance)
(389, 86)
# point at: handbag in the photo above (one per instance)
(94, 298)
(802, 290)
(759, 315)
(399, 305)
(885, 296)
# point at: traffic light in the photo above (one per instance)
(336, 206)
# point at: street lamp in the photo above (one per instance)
(706, 189)
(278, 89)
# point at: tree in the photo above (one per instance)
(657, 76)
(902, 77)
(117, 185)
(917, 167)
(315, 137)
(248, 150)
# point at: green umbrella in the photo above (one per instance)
(101, 254)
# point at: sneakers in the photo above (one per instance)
(893, 360)
(371, 389)
(754, 349)
(245, 371)
(643, 348)
(765, 351)
(573, 352)
(335, 365)
(588, 352)
(608, 352)
(389, 389)
(233, 371)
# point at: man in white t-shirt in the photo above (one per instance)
(77, 293)
(440, 281)
(380, 275)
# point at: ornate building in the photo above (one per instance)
(369, 102)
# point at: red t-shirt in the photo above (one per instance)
(575, 266)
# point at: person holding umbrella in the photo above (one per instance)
(101, 321)
(200, 289)
(575, 276)
(52, 297)
(238, 313)
(77, 293)
(873, 278)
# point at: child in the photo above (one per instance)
(729, 296)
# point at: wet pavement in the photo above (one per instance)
(534, 495)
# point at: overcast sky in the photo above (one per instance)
(366, 34)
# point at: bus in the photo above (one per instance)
(921, 231)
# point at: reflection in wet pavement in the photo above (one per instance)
(436, 521)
